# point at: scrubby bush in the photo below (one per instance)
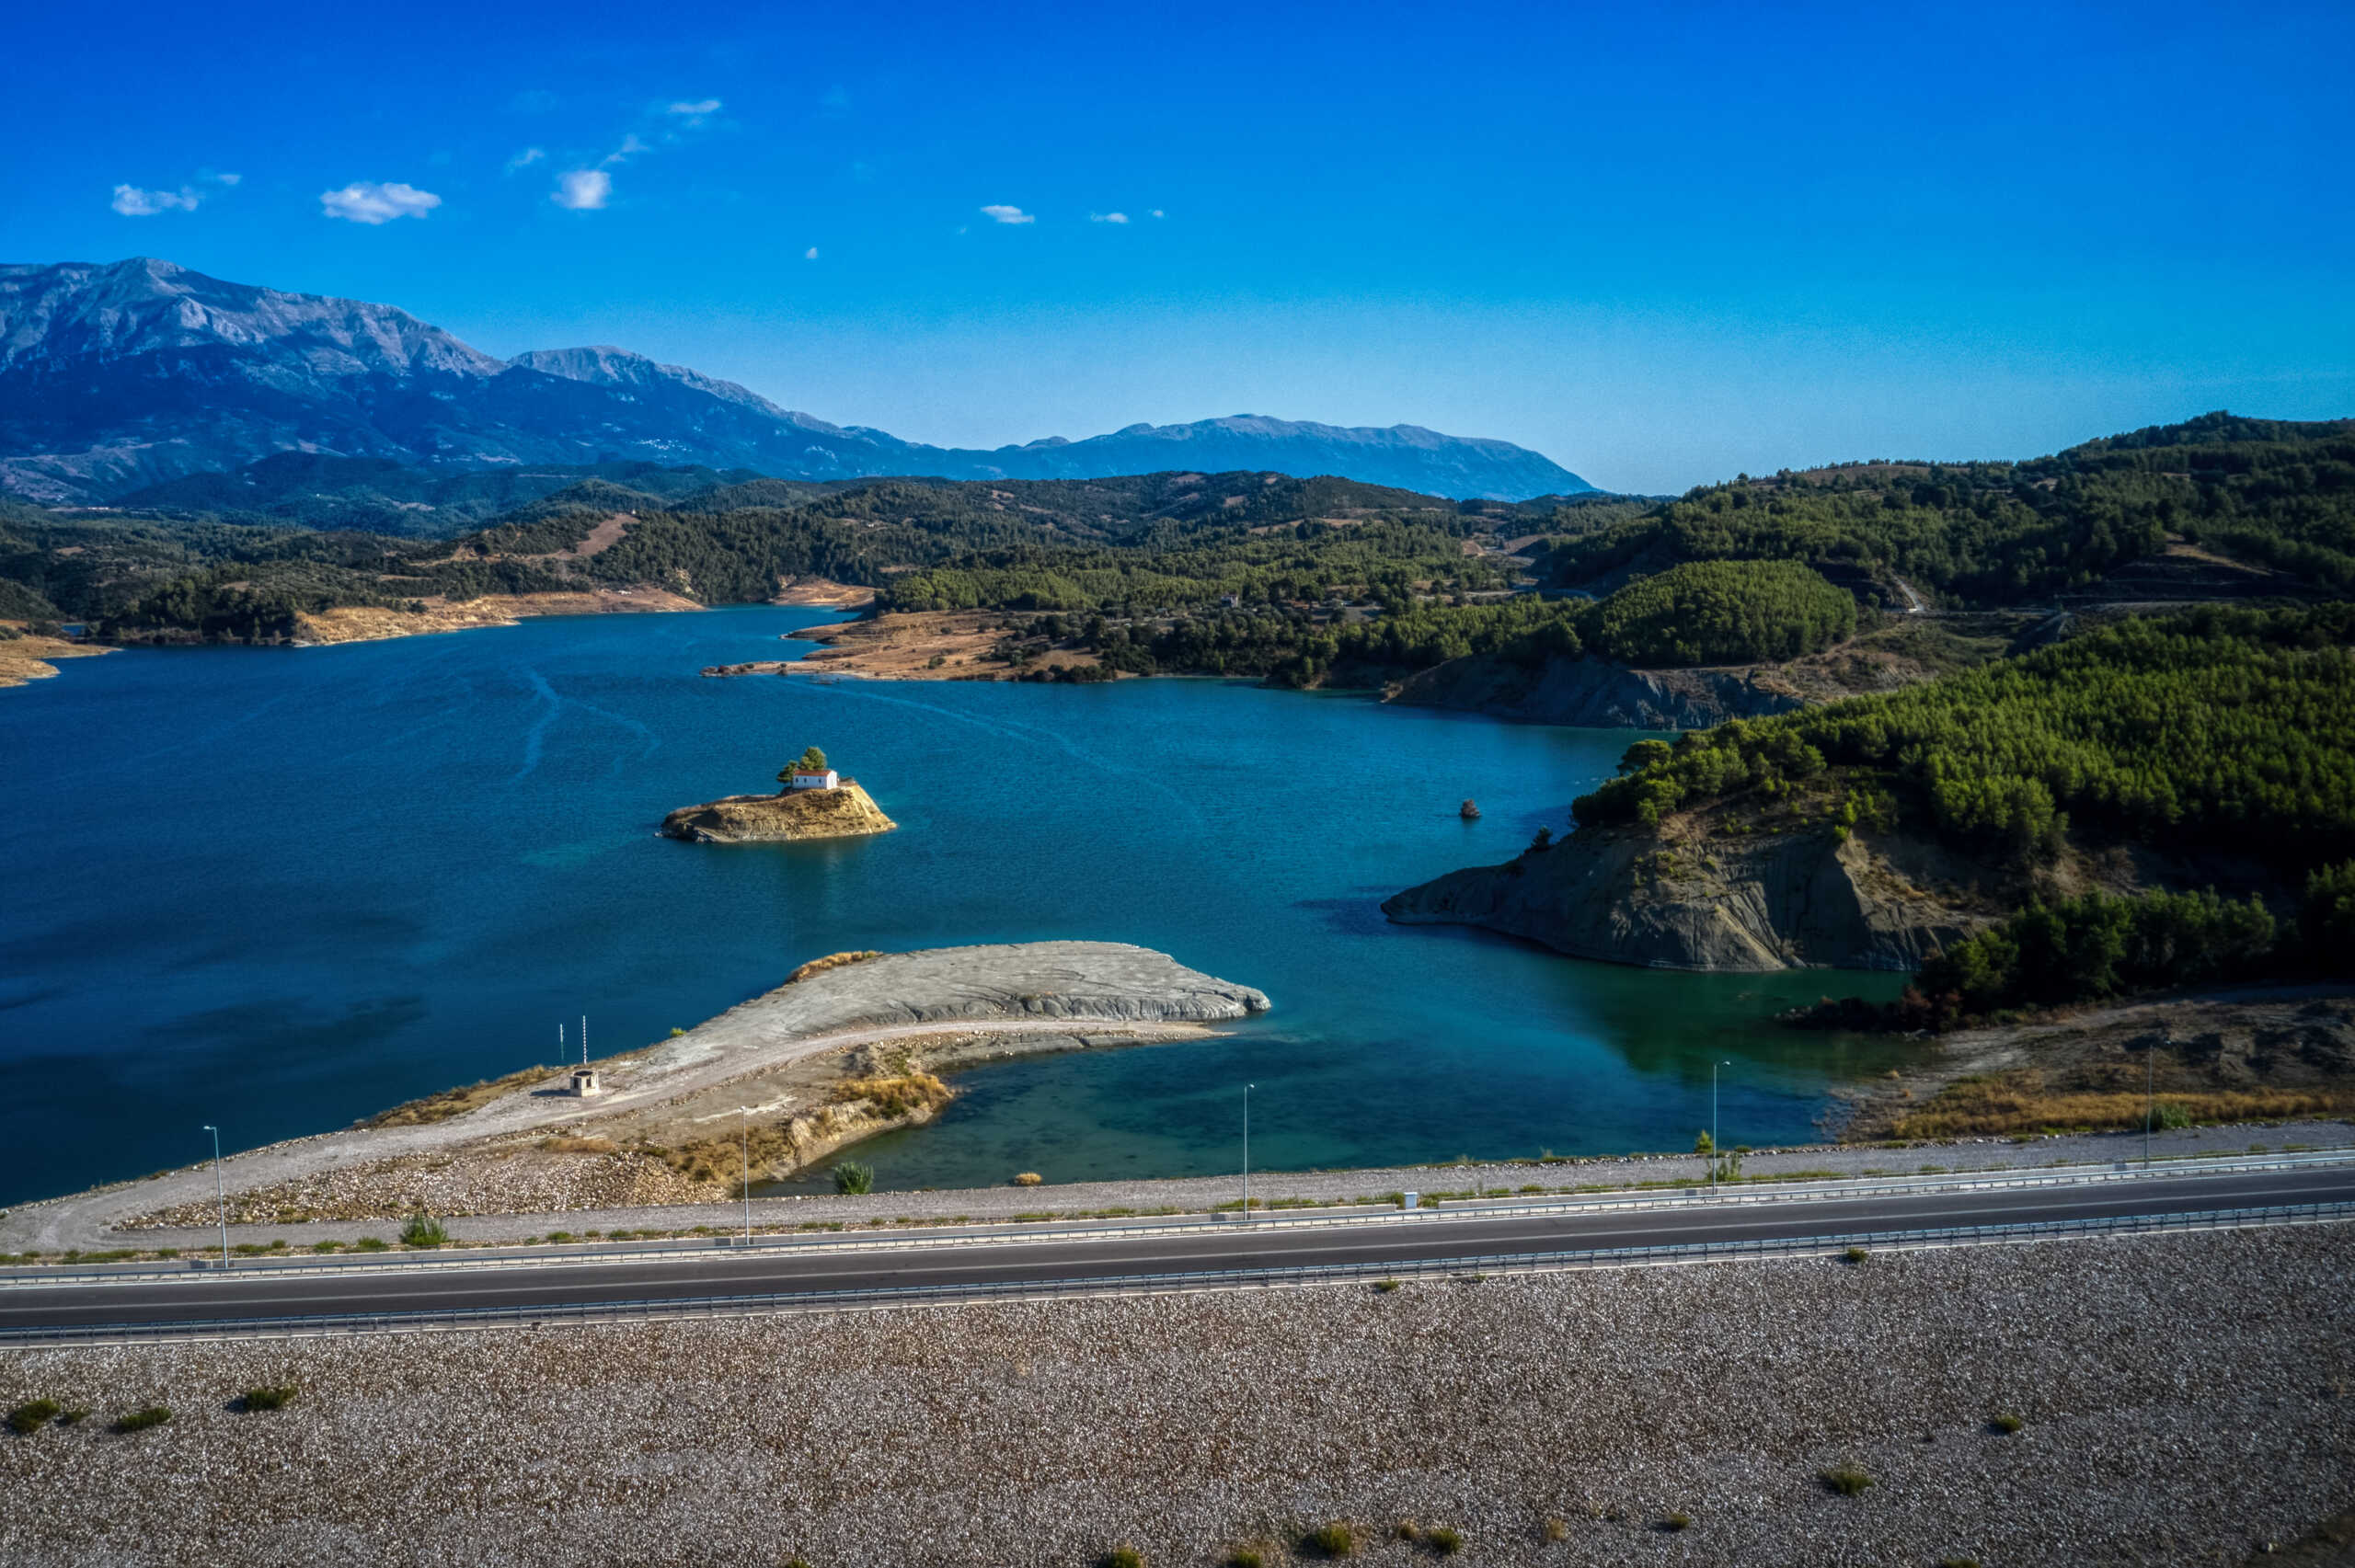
(1674, 1522)
(2006, 1424)
(1027, 1179)
(1845, 1480)
(140, 1420)
(1443, 1539)
(1244, 1557)
(423, 1230)
(32, 1415)
(273, 1397)
(852, 1178)
(370, 1245)
(1330, 1541)
(1123, 1557)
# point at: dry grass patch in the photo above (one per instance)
(563, 1144)
(830, 961)
(908, 1095)
(458, 1101)
(2018, 1101)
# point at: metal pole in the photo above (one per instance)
(747, 1113)
(1715, 1154)
(219, 1195)
(1246, 1152)
(2150, 1097)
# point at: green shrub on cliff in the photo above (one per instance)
(2228, 727)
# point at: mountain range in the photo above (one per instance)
(115, 378)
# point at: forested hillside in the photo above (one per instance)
(1301, 580)
(2267, 492)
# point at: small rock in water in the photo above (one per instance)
(1469, 811)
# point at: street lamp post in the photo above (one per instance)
(746, 1112)
(1246, 1152)
(220, 1195)
(2150, 1097)
(1717, 1156)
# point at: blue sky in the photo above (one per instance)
(1660, 246)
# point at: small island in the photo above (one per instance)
(815, 803)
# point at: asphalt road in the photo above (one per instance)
(785, 1269)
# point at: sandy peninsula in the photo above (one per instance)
(26, 656)
(925, 645)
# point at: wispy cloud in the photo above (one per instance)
(698, 110)
(372, 202)
(1000, 213)
(810, 254)
(526, 158)
(631, 147)
(133, 201)
(1157, 213)
(583, 190)
(1107, 217)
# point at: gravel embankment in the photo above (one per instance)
(2185, 1399)
(1197, 1195)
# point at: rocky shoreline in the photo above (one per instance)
(1687, 896)
(1593, 693)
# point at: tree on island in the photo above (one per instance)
(811, 762)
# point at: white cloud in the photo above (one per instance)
(134, 202)
(526, 158)
(1155, 212)
(1107, 217)
(583, 190)
(371, 202)
(1000, 213)
(810, 254)
(631, 146)
(695, 110)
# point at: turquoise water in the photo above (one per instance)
(279, 890)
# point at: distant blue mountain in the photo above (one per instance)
(115, 378)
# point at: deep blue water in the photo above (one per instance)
(279, 890)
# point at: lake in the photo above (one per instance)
(278, 890)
